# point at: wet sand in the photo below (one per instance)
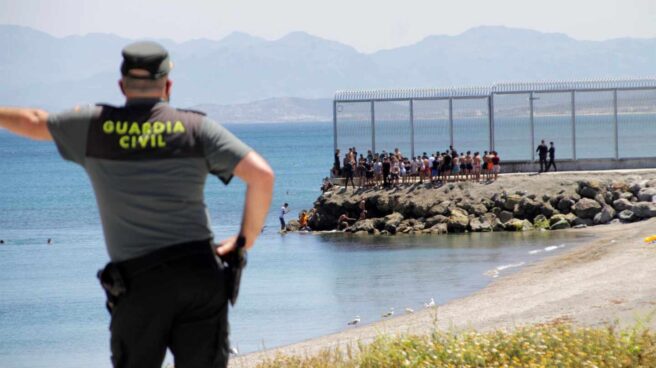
(610, 279)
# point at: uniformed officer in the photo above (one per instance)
(148, 162)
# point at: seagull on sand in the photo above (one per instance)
(409, 310)
(355, 321)
(430, 304)
(389, 314)
(234, 351)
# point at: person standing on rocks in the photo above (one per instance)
(542, 153)
(387, 168)
(552, 157)
(348, 170)
(337, 166)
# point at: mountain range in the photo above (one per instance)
(56, 73)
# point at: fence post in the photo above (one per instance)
(451, 121)
(373, 128)
(334, 126)
(412, 128)
(490, 114)
(530, 99)
(616, 128)
(573, 125)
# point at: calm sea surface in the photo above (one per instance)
(296, 286)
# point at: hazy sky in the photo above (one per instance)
(368, 25)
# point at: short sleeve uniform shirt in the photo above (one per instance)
(148, 163)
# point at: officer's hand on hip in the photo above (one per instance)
(226, 246)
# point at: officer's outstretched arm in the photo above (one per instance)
(26, 122)
(259, 177)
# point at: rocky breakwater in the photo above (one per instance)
(519, 204)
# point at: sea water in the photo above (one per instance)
(296, 286)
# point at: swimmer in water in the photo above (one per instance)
(49, 241)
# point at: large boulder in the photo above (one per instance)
(547, 210)
(527, 208)
(622, 204)
(541, 222)
(605, 216)
(292, 225)
(518, 225)
(628, 196)
(559, 225)
(565, 204)
(394, 219)
(391, 229)
(635, 188)
(437, 229)
(458, 221)
(505, 216)
(441, 208)
(589, 188)
(570, 217)
(583, 221)
(480, 224)
(381, 203)
(627, 216)
(511, 201)
(494, 222)
(586, 208)
(644, 209)
(488, 203)
(364, 225)
(322, 220)
(609, 198)
(477, 209)
(437, 219)
(416, 209)
(646, 194)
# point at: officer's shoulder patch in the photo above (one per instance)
(192, 111)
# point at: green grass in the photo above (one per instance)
(553, 345)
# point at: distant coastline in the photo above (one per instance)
(271, 110)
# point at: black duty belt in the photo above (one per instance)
(132, 267)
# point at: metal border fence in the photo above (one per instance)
(591, 108)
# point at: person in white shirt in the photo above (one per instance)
(283, 211)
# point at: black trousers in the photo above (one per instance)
(543, 163)
(551, 162)
(176, 298)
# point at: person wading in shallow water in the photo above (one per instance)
(283, 211)
(147, 163)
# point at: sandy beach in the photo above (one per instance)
(607, 280)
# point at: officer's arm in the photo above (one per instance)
(26, 122)
(259, 177)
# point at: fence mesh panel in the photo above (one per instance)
(553, 122)
(512, 126)
(431, 118)
(595, 127)
(584, 119)
(637, 123)
(354, 126)
(393, 126)
(471, 125)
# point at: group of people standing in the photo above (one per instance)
(543, 151)
(393, 168)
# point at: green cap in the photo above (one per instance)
(146, 55)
